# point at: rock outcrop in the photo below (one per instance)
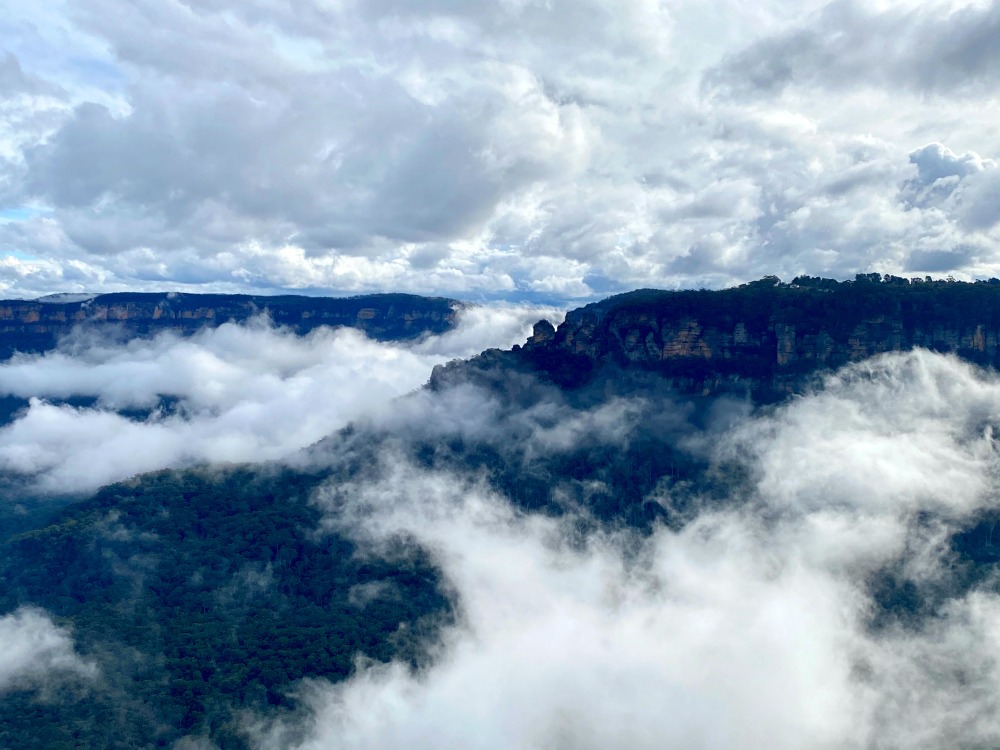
(765, 339)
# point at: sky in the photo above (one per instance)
(550, 151)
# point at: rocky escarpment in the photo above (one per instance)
(36, 325)
(765, 338)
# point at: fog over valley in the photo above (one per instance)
(493, 560)
(757, 621)
(97, 409)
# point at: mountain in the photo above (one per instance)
(215, 604)
(36, 325)
(766, 339)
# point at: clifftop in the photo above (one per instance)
(765, 338)
(35, 325)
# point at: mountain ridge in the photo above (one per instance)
(765, 339)
(36, 325)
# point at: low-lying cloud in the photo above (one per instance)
(751, 626)
(36, 653)
(234, 393)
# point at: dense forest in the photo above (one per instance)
(200, 594)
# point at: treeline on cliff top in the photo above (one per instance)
(872, 313)
(814, 303)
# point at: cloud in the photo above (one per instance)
(751, 625)
(337, 174)
(14, 81)
(233, 393)
(964, 186)
(933, 47)
(549, 151)
(37, 653)
(916, 430)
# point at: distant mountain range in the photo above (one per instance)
(36, 325)
(761, 338)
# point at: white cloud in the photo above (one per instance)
(915, 428)
(239, 393)
(962, 188)
(36, 653)
(559, 150)
(751, 626)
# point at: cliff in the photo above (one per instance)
(765, 338)
(36, 325)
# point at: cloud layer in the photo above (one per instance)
(554, 150)
(233, 393)
(753, 625)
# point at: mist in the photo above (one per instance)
(234, 393)
(37, 654)
(759, 608)
(756, 625)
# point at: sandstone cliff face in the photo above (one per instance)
(767, 339)
(652, 340)
(33, 325)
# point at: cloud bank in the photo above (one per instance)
(755, 625)
(229, 394)
(514, 149)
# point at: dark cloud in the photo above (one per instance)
(926, 49)
(939, 261)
